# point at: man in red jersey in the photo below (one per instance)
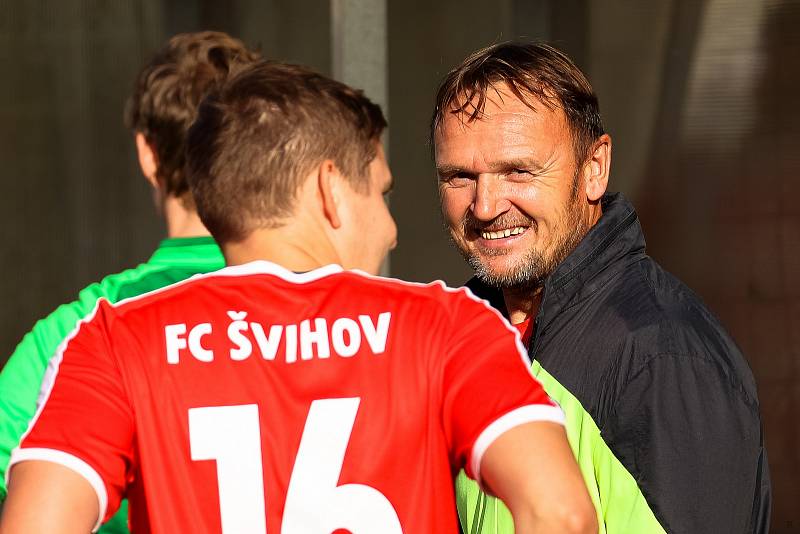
(287, 392)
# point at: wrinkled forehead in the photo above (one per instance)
(470, 103)
(505, 124)
(492, 128)
(508, 130)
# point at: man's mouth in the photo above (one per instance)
(502, 234)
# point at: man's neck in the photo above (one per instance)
(284, 246)
(522, 304)
(182, 222)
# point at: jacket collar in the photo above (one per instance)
(615, 240)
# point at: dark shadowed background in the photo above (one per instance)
(699, 96)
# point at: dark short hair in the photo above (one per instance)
(168, 91)
(533, 72)
(262, 132)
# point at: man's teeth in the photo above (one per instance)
(508, 232)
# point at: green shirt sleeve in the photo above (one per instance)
(21, 378)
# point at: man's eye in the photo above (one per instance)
(520, 175)
(458, 179)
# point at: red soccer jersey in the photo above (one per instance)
(255, 399)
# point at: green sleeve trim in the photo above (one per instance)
(621, 507)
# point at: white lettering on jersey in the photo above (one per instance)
(340, 346)
(196, 344)
(175, 342)
(268, 345)
(290, 334)
(343, 339)
(173, 333)
(318, 337)
(376, 335)
(243, 347)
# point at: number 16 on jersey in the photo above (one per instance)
(314, 502)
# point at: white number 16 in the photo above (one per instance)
(314, 502)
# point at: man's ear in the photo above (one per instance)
(329, 183)
(148, 161)
(597, 167)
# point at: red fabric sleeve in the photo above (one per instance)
(85, 421)
(487, 385)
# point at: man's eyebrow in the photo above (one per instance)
(528, 164)
(449, 170)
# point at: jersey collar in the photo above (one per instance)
(267, 267)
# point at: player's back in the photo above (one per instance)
(320, 378)
(269, 400)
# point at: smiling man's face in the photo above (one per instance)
(511, 191)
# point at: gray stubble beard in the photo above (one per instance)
(532, 270)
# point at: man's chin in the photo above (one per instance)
(503, 276)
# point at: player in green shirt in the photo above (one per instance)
(160, 111)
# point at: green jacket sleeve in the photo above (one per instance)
(621, 507)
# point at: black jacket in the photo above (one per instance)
(672, 395)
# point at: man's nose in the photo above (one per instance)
(490, 198)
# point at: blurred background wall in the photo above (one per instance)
(699, 96)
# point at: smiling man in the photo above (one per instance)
(662, 411)
(533, 155)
